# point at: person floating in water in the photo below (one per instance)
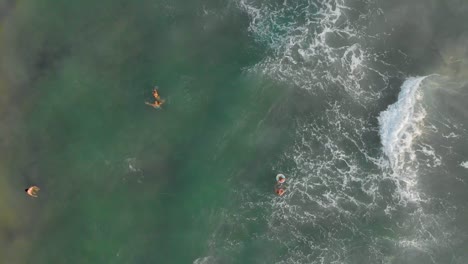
(279, 188)
(32, 191)
(280, 191)
(158, 101)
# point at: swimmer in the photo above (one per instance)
(158, 101)
(32, 191)
(280, 178)
(280, 191)
(156, 94)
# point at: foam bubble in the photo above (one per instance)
(464, 164)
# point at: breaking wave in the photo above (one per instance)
(400, 125)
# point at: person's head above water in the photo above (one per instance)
(280, 178)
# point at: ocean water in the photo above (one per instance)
(361, 104)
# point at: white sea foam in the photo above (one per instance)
(205, 260)
(132, 164)
(316, 44)
(464, 164)
(400, 124)
(336, 176)
(327, 188)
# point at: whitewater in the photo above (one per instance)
(360, 168)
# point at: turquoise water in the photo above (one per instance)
(121, 181)
(318, 90)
